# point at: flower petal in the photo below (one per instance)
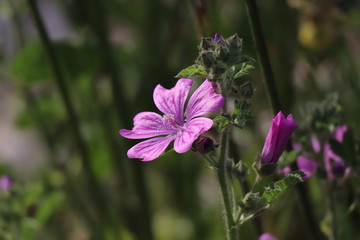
(192, 130)
(150, 149)
(146, 125)
(339, 133)
(306, 165)
(171, 101)
(204, 101)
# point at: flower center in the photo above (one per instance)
(170, 120)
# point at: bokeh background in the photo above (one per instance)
(71, 177)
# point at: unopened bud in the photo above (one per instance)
(206, 44)
(207, 59)
(217, 37)
(234, 42)
(219, 68)
(222, 53)
(247, 90)
(240, 170)
(338, 169)
(203, 145)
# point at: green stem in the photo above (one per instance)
(263, 56)
(100, 27)
(65, 96)
(231, 231)
(334, 217)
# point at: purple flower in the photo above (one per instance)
(279, 133)
(334, 164)
(5, 183)
(267, 236)
(176, 125)
(306, 165)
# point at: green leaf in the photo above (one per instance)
(280, 187)
(191, 71)
(245, 70)
(241, 113)
(237, 58)
(221, 122)
(252, 201)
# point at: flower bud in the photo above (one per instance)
(206, 44)
(219, 68)
(234, 42)
(217, 37)
(203, 145)
(207, 59)
(247, 90)
(222, 52)
(240, 170)
(279, 134)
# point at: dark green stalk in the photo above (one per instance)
(334, 215)
(263, 56)
(65, 96)
(98, 22)
(231, 231)
(259, 39)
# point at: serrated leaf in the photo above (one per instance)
(245, 70)
(280, 187)
(193, 70)
(241, 113)
(221, 122)
(239, 58)
(252, 201)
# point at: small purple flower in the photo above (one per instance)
(176, 125)
(267, 236)
(334, 164)
(306, 165)
(5, 183)
(279, 133)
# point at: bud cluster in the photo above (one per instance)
(218, 54)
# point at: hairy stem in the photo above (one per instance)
(231, 231)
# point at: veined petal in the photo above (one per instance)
(150, 149)
(171, 101)
(146, 125)
(204, 101)
(192, 130)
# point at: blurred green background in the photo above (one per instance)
(71, 176)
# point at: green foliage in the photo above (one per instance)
(193, 70)
(280, 187)
(245, 70)
(221, 122)
(31, 64)
(241, 113)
